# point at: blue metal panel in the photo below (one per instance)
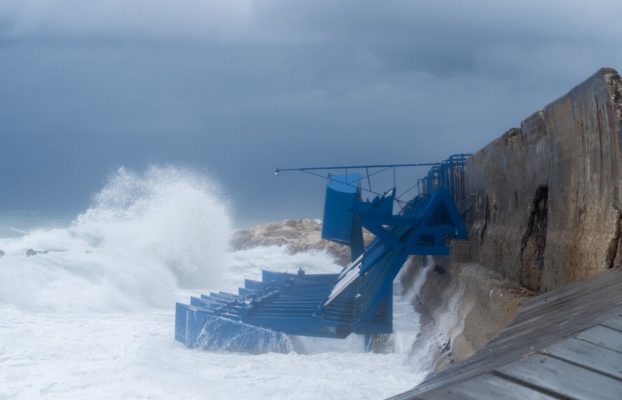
(342, 196)
(224, 334)
(380, 206)
(180, 322)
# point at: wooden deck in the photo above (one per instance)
(565, 344)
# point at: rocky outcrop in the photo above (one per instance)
(295, 234)
(543, 200)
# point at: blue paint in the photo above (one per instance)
(360, 299)
(340, 222)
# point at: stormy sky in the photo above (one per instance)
(235, 88)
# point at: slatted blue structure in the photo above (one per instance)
(358, 300)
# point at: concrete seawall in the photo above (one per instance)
(542, 208)
(543, 200)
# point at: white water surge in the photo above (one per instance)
(86, 310)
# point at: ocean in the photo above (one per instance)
(87, 304)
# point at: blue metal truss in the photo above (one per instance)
(358, 300)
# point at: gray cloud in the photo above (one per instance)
(240, 87)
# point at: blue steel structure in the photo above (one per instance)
(358, 300)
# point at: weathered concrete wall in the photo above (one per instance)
(544, 202)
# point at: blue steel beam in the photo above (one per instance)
(364, 166)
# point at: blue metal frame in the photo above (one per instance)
(360, 299)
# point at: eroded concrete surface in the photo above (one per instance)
(543, 200)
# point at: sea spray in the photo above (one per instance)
(437, 336)
(143, 237)
(406, 320)
(248, 263)
(126, 256)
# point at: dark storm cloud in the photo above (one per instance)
(240, 87)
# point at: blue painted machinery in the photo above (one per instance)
(359, 300)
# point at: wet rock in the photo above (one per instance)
(446, 347)
(295, 234)
(32, 252)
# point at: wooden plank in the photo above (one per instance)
(566, 379)
(610, 296)
(614, 323)
(601, 281)
(555, 316)
(509, 348)
(603, 336)
(588, 354)
(486, 386)
(582, 303)
(443, 393)
(576, 304)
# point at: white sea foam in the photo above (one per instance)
(145, 235)
(91, 315)
(406, 322)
